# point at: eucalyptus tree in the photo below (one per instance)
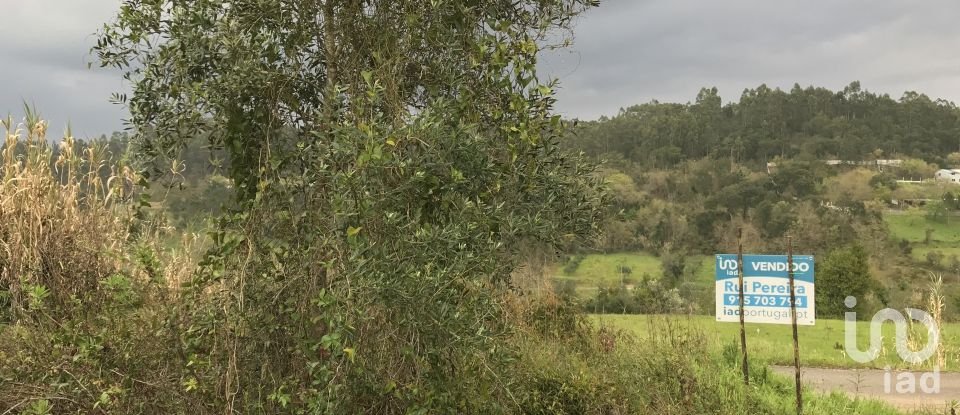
(391, 158)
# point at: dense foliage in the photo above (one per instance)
(391, 159)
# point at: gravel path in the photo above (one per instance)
(873, 383)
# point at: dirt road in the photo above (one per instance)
(882, 385)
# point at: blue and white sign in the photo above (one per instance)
(766, 289)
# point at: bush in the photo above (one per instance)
(648, 296)
(935, 258)
(653, 297)
(573, 264)
(905, 247)
(673, 265)
(845, 272)
(613, 299)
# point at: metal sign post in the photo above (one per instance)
(793, 313)
(743, 330)
(766, 289)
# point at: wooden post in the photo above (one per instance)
(793, 312)
(743, 330)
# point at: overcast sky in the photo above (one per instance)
(631, 51)
(625, 52)
(44, 51)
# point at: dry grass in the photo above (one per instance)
(63, 223)
(918, 335)
(935, 305)
(85, 279)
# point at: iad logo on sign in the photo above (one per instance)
(766, 289)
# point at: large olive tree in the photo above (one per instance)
(391, 158)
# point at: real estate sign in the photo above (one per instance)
(766, 289)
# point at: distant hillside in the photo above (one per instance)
(811, 123)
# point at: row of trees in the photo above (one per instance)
(812, 122)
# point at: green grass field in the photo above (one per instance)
(604, 269)
(913, 225)
(597, 269)
(820, 345)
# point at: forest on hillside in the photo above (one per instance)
(811, 123)
(686, 179)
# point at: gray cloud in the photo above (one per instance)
(625, 52)
(44, 47)
(630, 52)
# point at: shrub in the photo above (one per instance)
(673, 265)
(935, 258)
(648, 296)
(573, 264)
(613, 299)
(845, 272)
(905, 247)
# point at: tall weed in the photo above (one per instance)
(84, 322)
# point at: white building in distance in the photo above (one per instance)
(948, 175)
